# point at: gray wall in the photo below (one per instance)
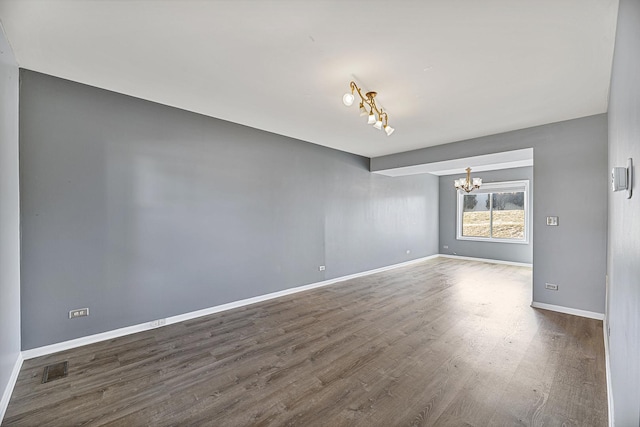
(9, 217)
(571, 181)
(515, 252)
(141, 211)
(624, 220)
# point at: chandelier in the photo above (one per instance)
(467, 184)
(369, 108)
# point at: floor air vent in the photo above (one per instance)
(55, 372)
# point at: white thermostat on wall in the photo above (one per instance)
(622, 178)
(619, 179)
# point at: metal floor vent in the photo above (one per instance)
(55, 372)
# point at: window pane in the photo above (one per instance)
(476, 217)
(508, 215)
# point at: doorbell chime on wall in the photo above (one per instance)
(622, 178)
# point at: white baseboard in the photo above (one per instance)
(568, 310)
(492, 261)
(89, 339)
(116, 333)
(8, 390)
(607, 362)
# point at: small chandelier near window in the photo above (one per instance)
(467, 184)
(369, 108)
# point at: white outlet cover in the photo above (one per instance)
(78, 312)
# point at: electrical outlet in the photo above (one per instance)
(551, 286)
(78, 312)
(157, 323)
(321, 268)
(408, 251)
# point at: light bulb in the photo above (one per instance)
(378, 124)
(363, 111)
(372, 119)
(347, 99)
(389, 130)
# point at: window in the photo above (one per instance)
(497, 212)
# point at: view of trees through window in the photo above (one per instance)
(494, 215)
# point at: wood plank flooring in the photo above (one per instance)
(440, 343)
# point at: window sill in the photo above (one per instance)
(482, 239)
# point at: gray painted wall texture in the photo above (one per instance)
(571, 181)
(515, 252)
(9, 217)
(624, 220)
(140, 211)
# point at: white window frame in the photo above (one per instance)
(496, 187)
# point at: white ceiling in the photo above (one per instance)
(445, 70)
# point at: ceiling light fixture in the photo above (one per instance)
(467, 184)
(376, 116)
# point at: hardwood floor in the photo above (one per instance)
(441, 343)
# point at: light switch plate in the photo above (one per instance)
(552, 220)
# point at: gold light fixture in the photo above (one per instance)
(467, 184)
(376, 116)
